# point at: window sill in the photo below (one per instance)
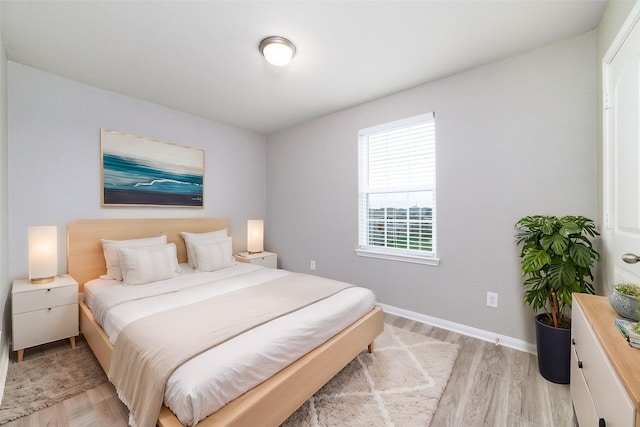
(396, 257)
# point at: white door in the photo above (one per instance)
(621, 78)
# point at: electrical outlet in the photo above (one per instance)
(492, 299)
(312, 265)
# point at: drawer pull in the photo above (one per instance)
(580, 365)
(48, 289)
(602, 423)
(573, 341)
(49, 309)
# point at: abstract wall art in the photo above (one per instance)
(139, 171)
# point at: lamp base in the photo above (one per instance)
(42, 280)
(254, 253)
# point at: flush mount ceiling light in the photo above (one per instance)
(277, 50)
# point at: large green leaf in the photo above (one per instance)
(581, 255)
(565, 295)
(562, 274)
(536, 292)
(548, 225)
(534, 260)
(556, 242)
(569, 228)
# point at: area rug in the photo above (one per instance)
(400, 384)
(41, 382)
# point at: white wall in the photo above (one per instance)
(5, 284)
(54, 151)
(514, 138)
(4, 174)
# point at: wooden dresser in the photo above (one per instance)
(605, 370)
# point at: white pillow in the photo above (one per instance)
(110, 248)
(148, 264)
(192, 238)
(215, 255)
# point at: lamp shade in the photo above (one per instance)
(255, 236)
(43, 253)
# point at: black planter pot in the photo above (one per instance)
(554, 352)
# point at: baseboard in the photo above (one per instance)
(4, 363)
(469, 331)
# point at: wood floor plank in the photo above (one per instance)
(108, 409)
(455, 393)
(496, 360)
(536, 407)
(484, 389)
(515, 421)
(518, 373)
(562, 414)
(54, 416)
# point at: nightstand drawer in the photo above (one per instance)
(269, 261)
(43, 298)
(43, 326)
(265, 259)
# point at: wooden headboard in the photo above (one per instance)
(85, 259)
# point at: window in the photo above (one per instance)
(397, 190)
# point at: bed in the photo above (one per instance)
(268, 403)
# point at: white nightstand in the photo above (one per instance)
(44, 313)
(267, 259)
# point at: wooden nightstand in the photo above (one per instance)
(44, 313)
(267, 259)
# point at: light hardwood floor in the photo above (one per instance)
(490, 386)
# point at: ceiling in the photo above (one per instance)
(202, 57)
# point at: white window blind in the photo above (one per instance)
(397, 189)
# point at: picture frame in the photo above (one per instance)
(139, 171)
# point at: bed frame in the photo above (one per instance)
(269, 403)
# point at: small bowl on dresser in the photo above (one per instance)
(625, 305)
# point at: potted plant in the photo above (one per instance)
(556, 260)
(624, 300)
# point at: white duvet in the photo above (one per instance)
(209, 381)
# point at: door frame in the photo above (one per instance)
(607, 168)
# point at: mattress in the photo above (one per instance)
(209, 381)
